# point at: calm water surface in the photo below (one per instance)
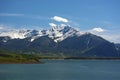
(63, 70)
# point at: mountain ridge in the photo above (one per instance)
(57, 32)
(59, 40)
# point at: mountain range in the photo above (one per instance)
(60, 40)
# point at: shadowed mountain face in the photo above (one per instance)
(87, 45)
(58, 40)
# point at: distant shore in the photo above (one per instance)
(7, 60)
(94, 58)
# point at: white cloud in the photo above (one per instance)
(98, 29)
(60, 19)
(1, 26)
(111, 37)
(52, 24)
(10, 14)
(6, 27)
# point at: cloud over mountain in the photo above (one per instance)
(52, 24)
(60, 19)
(98, 29)
(1, 27)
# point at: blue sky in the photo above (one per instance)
(101, 17)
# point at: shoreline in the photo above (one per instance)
(7, 62)
(93, 58)
(39, 61)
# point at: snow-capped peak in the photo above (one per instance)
(15, 33)
(57, 33)
(62, 31)
(57, 27)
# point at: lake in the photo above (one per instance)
(62, 70)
